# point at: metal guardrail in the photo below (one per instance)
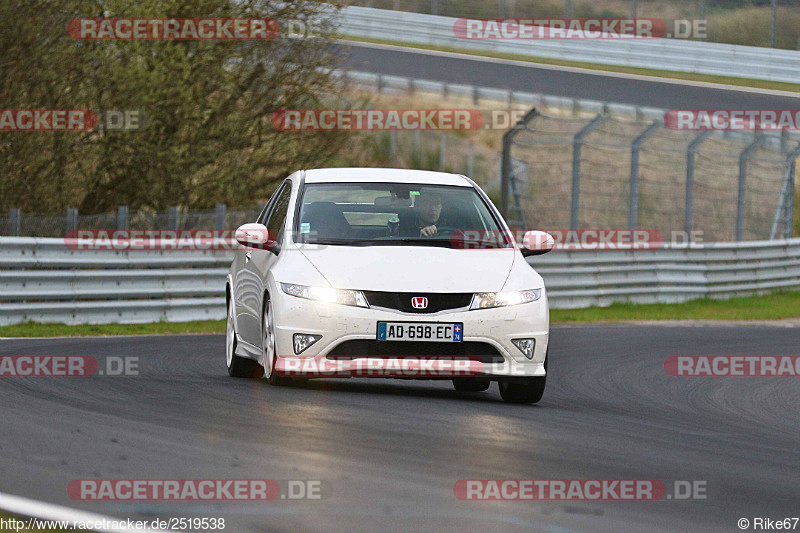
(401, 84)
(41, 280)
(584, 278)
(667, 54)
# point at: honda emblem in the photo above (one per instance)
(419, 302)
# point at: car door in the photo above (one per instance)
(251, 279)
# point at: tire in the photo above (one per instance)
(238, 367)
(268, 346)
(528, 391)
(471, 384)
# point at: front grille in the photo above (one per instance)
(357, 349)
(401, 301)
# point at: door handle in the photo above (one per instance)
(247, 257)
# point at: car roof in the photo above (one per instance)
(384, 175)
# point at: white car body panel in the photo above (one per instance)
(399, 269)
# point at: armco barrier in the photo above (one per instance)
(666, 54)
(41, 280)
(584, 278)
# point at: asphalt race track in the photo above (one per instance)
(594, 85)
(392, 450)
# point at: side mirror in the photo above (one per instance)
(537, 243)
(256, 236)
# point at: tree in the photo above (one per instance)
(205, 106)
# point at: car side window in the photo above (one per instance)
(262, 214)
(277, 214)
(268, 209)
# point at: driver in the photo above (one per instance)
(428, 210)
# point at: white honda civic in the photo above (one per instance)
(370, 272)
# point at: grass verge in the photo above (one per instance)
(33, 329)
(708, 78)
(775, 306)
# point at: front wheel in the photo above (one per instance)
(238, 367)
(268, 346)
(527, 391)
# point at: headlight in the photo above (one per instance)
(487, 300)
(326, 294)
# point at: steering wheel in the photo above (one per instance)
(444, 231)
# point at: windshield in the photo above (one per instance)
(391, 213)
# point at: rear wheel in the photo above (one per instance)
(471, 384)
(268, 346)
(238, 367)
(527, 391)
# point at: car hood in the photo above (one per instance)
(412, 268)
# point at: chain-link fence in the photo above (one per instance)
(425, 150)
(609, 172)
(432, 150)
(16, 223)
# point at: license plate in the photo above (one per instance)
(421, 331)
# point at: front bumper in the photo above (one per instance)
(337, 324)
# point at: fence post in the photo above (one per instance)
(577, 144)
(788, 225)
(505, 159)
(471, 160)
(442, 151)
(505, 171)
(72, 219)
(633, 190)
(785, 208)
(14, 222)
(172, 217)
(773, 24)
(220, 208)
(122, 217)
(740, 202)
(392, 145)
(688, 209)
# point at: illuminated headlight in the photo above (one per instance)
(487, 300)
(326, 294)
(302, 341)
(525, 346)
